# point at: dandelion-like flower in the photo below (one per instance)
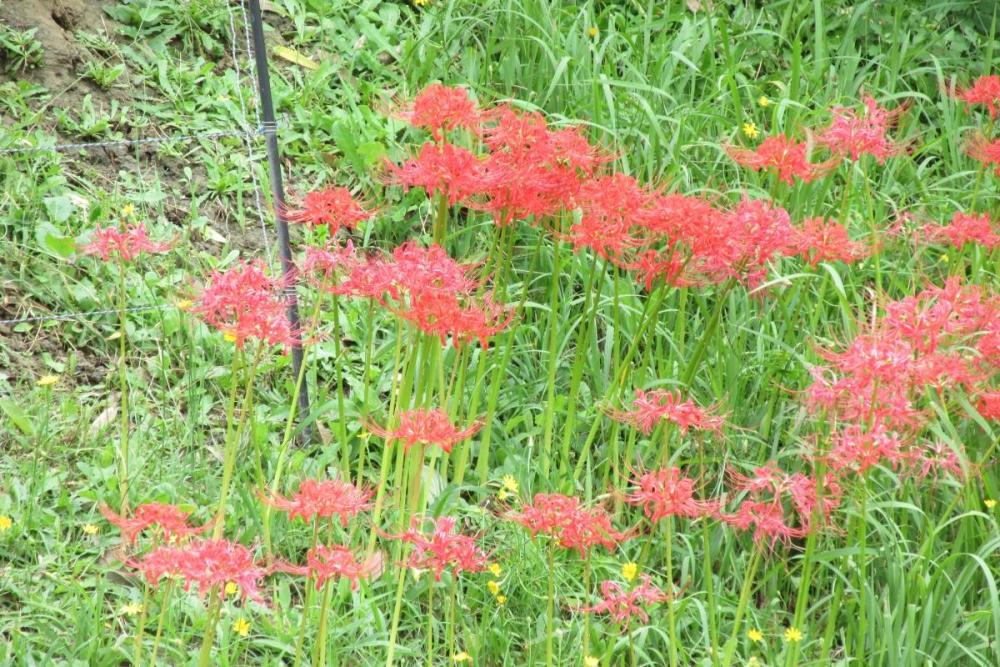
(127, 244)
(426, 427)
(323, 499)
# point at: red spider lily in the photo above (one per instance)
(566, 521)
(989, 405)
(444, 548)
(787, 157)
(615, 210)
(452, 171)
(805, 497)
(965, 228)
(444, 315)
(207, 563)
(439, 108)
(334, 207)
(854, 134)
(623, 605)
(369, 278)
(323, 499)
(430, 270)
(937, 459)
(325, 266)
(669, 266)
(426, 427)
(985, 91)
(858, 450)
(526, 137)
(767, 519)
(740, 243)
(170, 519)
(336, 561)
(649, 408)
(983, 150)
(769, 488)
(243, 303)
(665, 492)
(127, 244)
(823, 240)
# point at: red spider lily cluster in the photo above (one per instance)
(623, 604)
(334, 208)
(208, 564)
(666, 492)
(852, 134)
(444, 548)
(568, 523)
(426, 427)
(787, 157)
(652, 407)
(244, 303)
(966, 228)
(322, 500)
(324, 563)
(984, 91)
(170, 520)
(126, 244)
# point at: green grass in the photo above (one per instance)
(663, 86)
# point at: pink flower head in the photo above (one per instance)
(623, 604)
(966, 228)
(450, 170)
(243, 303)
(442, 549)
(324, 267)
(430, 270)
(426, 427)
(323, 499)
(334, 207)
(463, 319)
(767, 519)
(823, 240)
(984, 91)
(787, 157)
(983, 150)
(649, 408)
(170, 519)
(854, 134)
(127, 244)
(337, 561)
(566, 521)
(937, 459)
(989, 405)
(439, 109)
(665, 492)
(615, 210)
(210, 564)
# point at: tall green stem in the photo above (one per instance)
(741, 605)
(123, 441)
(550, 609)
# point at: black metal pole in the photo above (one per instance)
(277, 190)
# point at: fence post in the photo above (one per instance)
(270, 131)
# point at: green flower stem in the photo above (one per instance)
(211, 623)
(671, 608)
(741, 605)
(124, 421)
(141, 625)
(164, 607)
(550, 609)
(307, 603)
(430, 625)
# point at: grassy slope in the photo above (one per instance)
(665, 87)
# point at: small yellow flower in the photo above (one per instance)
(47, 380)
(593, 32)
(184, 304)
(755, 635)
(128, 210)
(494, 587)
(420, 3)
(750, 130)
(463, 656)
(232, 588)
(5, 523)
(494, 569)
(629, 570)
(502, 495)
(990, 503)
(501, 600)
(130, 609)
(591, 661)
(793, 635)
(229, 337)
(753, 662)
(509, 483)
(90, 529)
(242, 627)
(763, 101)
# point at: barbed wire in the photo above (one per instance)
(82, 315)
(261, 129)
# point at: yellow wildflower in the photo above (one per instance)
(755, 635)
(629, 570)
(754, 662)
(501, 600)
(510, 484)
(793, 635)
(130, 609)
(232, 588)
(184, 304)
(47, 380)
(763, 101)
(593, 32)
(750, 130)
(127, 210)
(463, 656)
(90, 529)
(494, 587)
(242, 627)
(494, 569)
(5, 523)
(990, 503)
(591, 661)
(502, 495)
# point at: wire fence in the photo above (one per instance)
(250, 130)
